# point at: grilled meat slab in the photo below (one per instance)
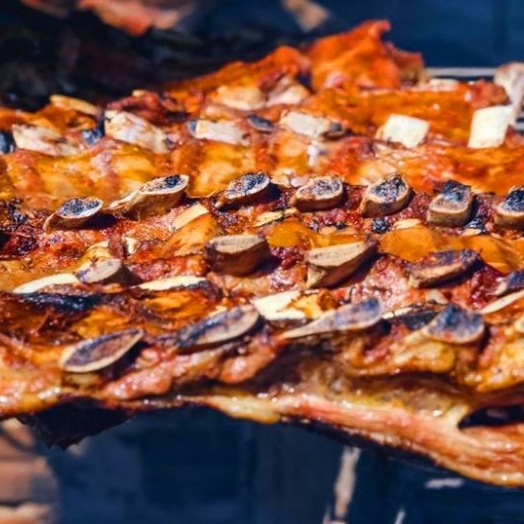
(325, 236)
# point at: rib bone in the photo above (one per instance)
(452, 207)
(385, 197)
(98, 353)
(237, 254)
(328, 266)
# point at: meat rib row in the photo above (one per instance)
(326, 236)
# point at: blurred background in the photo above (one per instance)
(194, 466)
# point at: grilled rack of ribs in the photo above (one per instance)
(326, 236)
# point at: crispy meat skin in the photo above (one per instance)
(157, 252)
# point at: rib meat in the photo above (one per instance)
(338, 252)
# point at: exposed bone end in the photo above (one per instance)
(219, 131)
(502, 303)
(511, 78)
(42, 140)
(74, 104)
(99, 353)
(405, 130)
(349, 318)
(74, 213)
(165, 284)
(322, 192)
(237, 255)
(133, 129)
(455, 326)
(305, 124)
(102, 271)
(510, 283)
(156, 197)
(47, 283)
(452, 207)
(489, 126)
(328, 266)
(385, 197)
(278, 308)
(510, 212)
(244, 98)
(220, 328)
(245, 190)
(441, 267)
(122, 204)
(262, 125)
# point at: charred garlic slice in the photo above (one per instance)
(452, 207)
(99, 353)
(405, 130)
(455, 326)
(219, 328)
(510, 212)
(245, 190)
(74, 213)
(328, 266)
(349, 318)
(441, 267)
(323, 192)
(385, 197)
(237, 255)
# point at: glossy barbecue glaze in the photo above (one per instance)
(338, 251)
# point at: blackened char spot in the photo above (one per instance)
(260, 124)
(169, 182)
(454, 191)
(92, 136)
(478, 223)
(251, 181)
(77, 206)
(390, 189)
(61, 302)
(380, 226)
(494, 416)
(514, 281)
(418, 317)
(7, 144)
(515, 200)
(456, 324)
(190, 336)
